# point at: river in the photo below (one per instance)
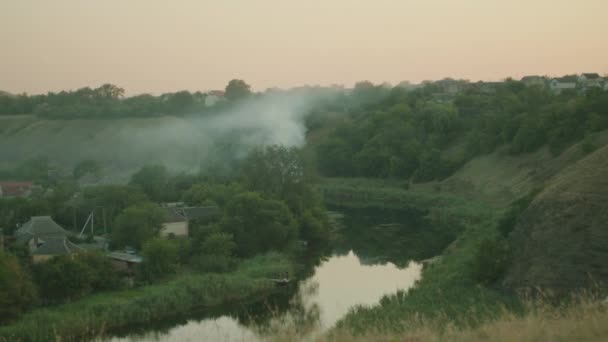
(338, 282)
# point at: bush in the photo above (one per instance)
(214, 263)
(588, 145)
(491, 260)
(17, 291)
(63, 278)
(160, 259)
(507, 222)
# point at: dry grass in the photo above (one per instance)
(586, 320)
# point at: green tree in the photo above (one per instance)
(153, 180)
(17, 291)
(103, 276)
(216, 253)
(219, 244)
(62, 278)
(259, 225)
(237, 90)
(86, 166)
(204, 194)
(276, 170)
(160, 259)
(137, 224)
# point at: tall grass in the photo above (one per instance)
(585, 319)
(98, 314)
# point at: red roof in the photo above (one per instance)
(15, 188)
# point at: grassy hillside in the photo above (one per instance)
(561, 240)
(120, 145)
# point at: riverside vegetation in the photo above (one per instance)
(477, 167)
(265, 210)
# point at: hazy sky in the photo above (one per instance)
(155, 45)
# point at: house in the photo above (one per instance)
(45, 239)
(177, 218)
(124, 262)
(15, 189)
(557, 85)
(488, 87)
(213, 97)
(450, 86)
(590, 80)
(534, 80)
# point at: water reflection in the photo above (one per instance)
(338, 283)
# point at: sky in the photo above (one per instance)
(156, 46)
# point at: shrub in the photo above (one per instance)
(491, 260)
(160, 259)
(17, 291)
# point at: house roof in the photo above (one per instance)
(196, 213)
(531, 78)
(183, 214)
(125, 257)
(15, 188)
(54, 246)
(41, 226)
(591, 76)
(567, 79)
(174, 214)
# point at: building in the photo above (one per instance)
(45, 239)
(450, 86)
(124, 262)
(488, 87)
(15, 189)
(177, 218)
(590, 80)
(534, 80)
(557, 85)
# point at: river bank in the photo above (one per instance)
(99, 314)
(448, 291)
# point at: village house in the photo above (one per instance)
(590, 80)
(534, 80)
(45, 239)
(557, 85)
(124, 262)
(450, 86)
(487, 87)
(15, 189)
(177, 218)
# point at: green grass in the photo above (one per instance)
(100, 313)
(447, 291)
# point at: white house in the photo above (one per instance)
(589, 80)
(558, 85)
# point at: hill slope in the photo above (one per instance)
(561, 240)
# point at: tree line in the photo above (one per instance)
(109, 101)
(417, 135)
